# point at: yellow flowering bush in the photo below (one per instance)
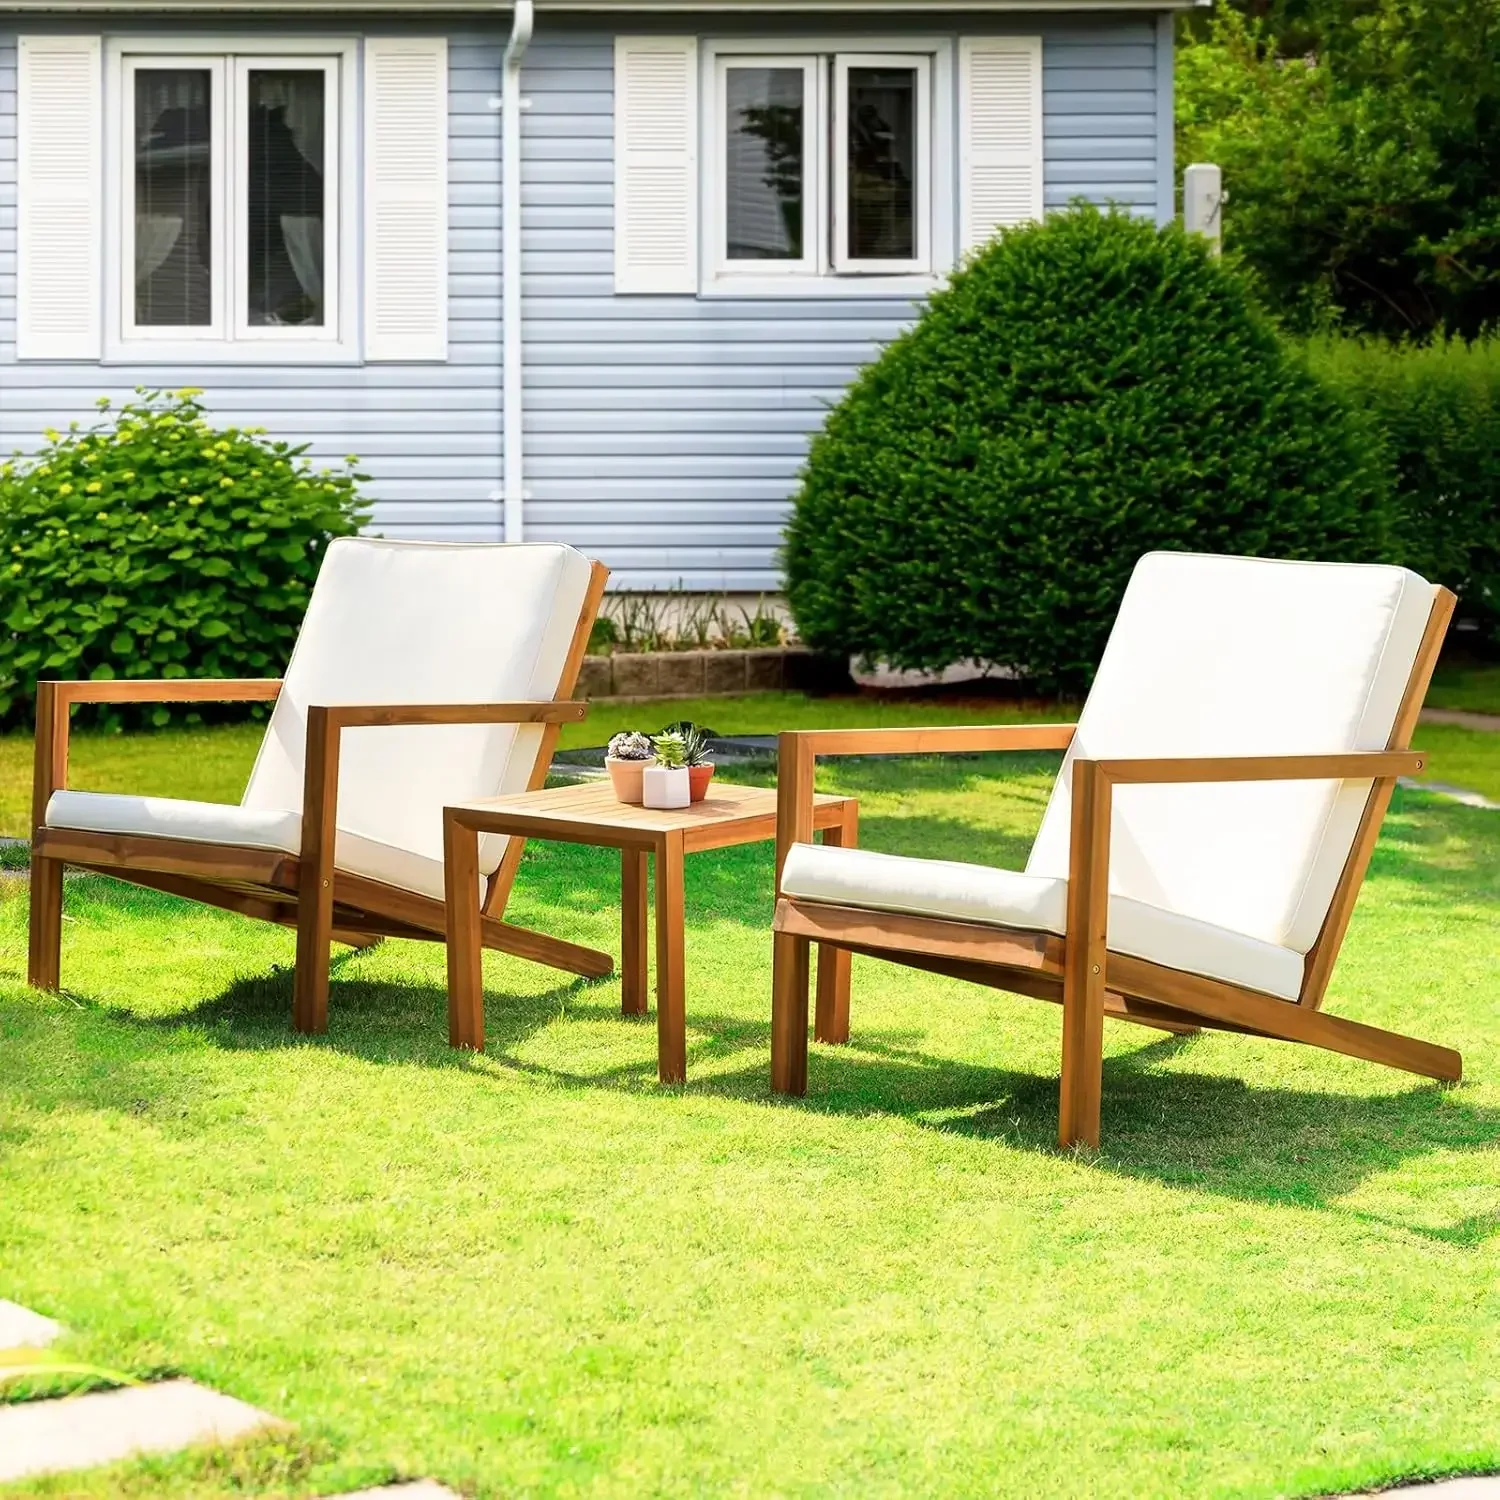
(155, 544)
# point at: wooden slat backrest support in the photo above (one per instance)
(504, 878)
(1325, 951)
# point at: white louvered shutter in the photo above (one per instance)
(59, 206)
(406, 198)
(1000, 134)
(656, 164)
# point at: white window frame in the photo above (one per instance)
(843, 262)
(239, 211)
(813, 150)
(230, 339)
(213, 330)
(937, 200)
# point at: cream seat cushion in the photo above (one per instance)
(246, 827)
(1034, 903)
(393, 623)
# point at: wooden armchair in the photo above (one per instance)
(1207, 837)
(424, 674)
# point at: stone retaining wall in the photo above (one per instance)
(698, 674)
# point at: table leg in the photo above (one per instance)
(633, 1000)
(671, 1005)
(831, 1022)
(465, 973)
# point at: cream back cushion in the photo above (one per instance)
(423, 622)
(1242, 656)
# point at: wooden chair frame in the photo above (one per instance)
(1080, 971)
(305, 891)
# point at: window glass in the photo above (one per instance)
(284, 200)
(881, 159)
(763, 175)
(173, 272)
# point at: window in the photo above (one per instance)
(822, 167)
(232, 203)
(259, 198)
(881, 179)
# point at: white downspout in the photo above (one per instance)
(513, 475)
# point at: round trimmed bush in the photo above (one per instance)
(156, 545)
(1083, 391)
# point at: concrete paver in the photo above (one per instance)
(20, 1328)
(1474, 1487)
(77, 1432)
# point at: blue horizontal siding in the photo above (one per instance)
(663, 434)
(429, 435)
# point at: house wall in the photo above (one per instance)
(428, 434)
(663, 434)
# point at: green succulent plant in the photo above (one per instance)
(671, 749)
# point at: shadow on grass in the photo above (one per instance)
(1162, 1121)
(1206, 1132)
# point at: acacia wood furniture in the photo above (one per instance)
(1078, 963)
(589, 813)
(397, 615)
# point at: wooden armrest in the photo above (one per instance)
(369, 716)
(320, 772)
(64, 693)
(798, 749)
(922, 740)
(1346, 765)
(1094, 782)
(56, 697)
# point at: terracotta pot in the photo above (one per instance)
(698, 780)
(626, 776)
(665, 786)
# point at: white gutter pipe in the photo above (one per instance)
(513, 474)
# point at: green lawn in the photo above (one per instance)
(537, 1272)
(1474, 686)
(213, 764)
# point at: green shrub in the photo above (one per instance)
(1083, 391)
(1438, 406)
(155, 545)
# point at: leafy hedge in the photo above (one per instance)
(1438, 406)
(1083, 391)
(156, 545)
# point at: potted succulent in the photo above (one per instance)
(628, 756)
(699, 761)
(666, 784)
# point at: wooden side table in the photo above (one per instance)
(589, 814)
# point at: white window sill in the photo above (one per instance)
(204, 352)
(906, 287)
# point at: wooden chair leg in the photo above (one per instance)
(44, 950)
(790, 962)
(465, 951)
(314, 953)
(1082, 1059)
(831, 1017)
(1084, 959)
(320, 780)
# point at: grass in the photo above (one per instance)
(536, 1272)
(212, 765)
(1470, 685)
